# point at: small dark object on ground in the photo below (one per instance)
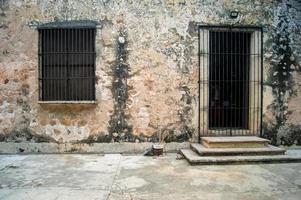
(158, 149)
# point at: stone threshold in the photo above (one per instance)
(96, 148)
(232, 139)
(267, 150)
(234, 142)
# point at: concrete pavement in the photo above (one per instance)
(115, 176)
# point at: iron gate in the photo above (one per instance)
(230, 87)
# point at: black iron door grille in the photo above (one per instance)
(230, 80)
(67, 64)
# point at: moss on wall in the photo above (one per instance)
(119, 128)
(280, 77)
(146, 68)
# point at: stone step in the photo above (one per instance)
(195, 159)
(234, 142)
(267, 150)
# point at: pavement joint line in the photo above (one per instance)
(115, 176)
(238, 192)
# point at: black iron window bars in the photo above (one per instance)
(67, 62)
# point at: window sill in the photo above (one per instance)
(67, 102)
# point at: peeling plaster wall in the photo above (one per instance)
(162, 60)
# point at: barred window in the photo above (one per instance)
(67, 63)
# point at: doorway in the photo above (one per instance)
(230, 81)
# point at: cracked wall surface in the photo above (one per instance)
(161, 61)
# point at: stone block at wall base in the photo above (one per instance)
(102, 148)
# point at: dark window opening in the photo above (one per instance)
(229, 66)
(67, 64)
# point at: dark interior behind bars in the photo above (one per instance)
(229, 60)
(67, 64)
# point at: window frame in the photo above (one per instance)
(88, 60)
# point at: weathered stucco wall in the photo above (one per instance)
(161, 56)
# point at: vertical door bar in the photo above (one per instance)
(242, 63)
(258, 85)
(207, 78)
(203, 83)
(261, 82)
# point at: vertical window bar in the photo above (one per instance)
(88, 79)
(77, 62)
(44, 64)
(61, 66)
(91, 80)
(72, 64)
(50, 70)
(86, 67)
(53, 68)
(68, 63)
(57, 66)
(94, 61)
(86, 64)
(40, 64)
(83, 80)
(80, 69)
(55, 80)
(92, 65)
(47, 64)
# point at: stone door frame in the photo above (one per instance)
(255, 76)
